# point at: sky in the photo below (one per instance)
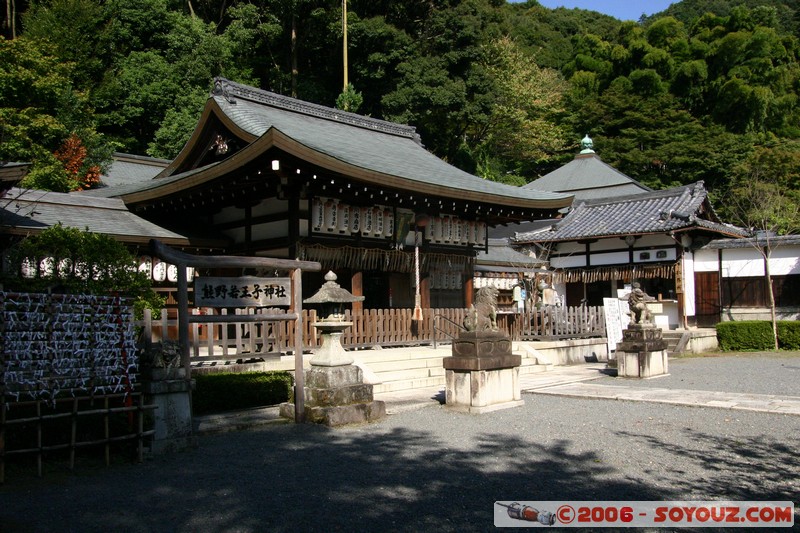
(621, 9)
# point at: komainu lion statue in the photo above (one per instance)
(482, 315)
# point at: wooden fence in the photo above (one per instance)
(554, 323)
(68, 377)
(214, 342)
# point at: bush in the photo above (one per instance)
(789, 335)
(754, 335)
(226, 391)
(67, 260)
(746, 335)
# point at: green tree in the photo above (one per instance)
(350, 99)
(76, 30)
(146, 86)
(759, 199)
(444, 89)
(68, 260)
(521, 131)
(40, 113)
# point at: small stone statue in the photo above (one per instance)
(637, 302)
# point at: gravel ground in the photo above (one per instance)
(754, 373)
(435, 470)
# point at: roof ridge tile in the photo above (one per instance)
(231, 90)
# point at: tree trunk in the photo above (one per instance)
(771, 293)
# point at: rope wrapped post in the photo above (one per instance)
(417, 298)
(421, 220)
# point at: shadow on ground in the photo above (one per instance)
(308, 478)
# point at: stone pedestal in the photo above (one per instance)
(337, 395)
(482, 375)
(170, 391)
(642, 352)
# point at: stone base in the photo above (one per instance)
(172, 418)
(482, 391)
(642, 364)
(335, 396)
(339, 415)
(481, 344)
(641, 338)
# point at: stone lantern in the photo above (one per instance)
(335, 392)
(332, 298)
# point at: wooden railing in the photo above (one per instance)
(211, 342)
(555, 323)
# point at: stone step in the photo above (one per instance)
(673, 338)
(420, 383)
(400, 354)
(410, 374)
(534, 368)
(402, 364)
(401, 369)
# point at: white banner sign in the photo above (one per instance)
(614, 320)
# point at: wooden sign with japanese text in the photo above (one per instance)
(246, 291)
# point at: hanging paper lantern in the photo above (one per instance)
(47, 267)
(430, 228)
(146, 265)
(388, 223)
(355, 219)
(330, 215)
(377, 215)
(65, 267)
(437, 235)
(159, 271)
(344, 217)
(317, 214)
(172, 273)
(28, 268)
(366, 220)
(480, 234)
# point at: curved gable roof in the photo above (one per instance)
(367, 149)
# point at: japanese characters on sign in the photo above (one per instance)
(246, 291)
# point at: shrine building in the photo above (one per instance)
(268, 175)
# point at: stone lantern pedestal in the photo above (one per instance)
(335, 392)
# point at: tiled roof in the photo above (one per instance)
(653, 212)
(588, 177)
(11, 173)
(129, 168)
(363, 142)
(25, 211)
(774, 241)
(500, 257)
(375, 150)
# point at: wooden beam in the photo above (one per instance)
(225, 261)
(357, 289)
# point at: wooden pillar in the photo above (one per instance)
(425, 292)
(183, 319)
(357, 289)
(299, 376)
(679, 273)
(294, 223)
(469, 291)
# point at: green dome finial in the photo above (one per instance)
(587, 145)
